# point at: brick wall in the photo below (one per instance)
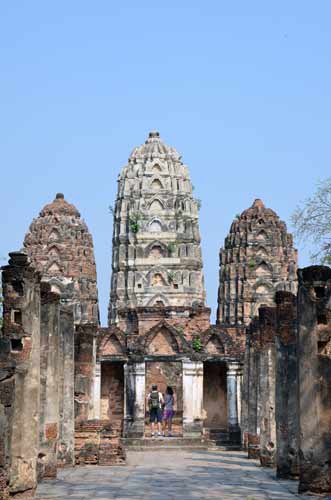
(112, 392)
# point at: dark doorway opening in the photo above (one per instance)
(112, 393)
(164, 373)
(215, 395)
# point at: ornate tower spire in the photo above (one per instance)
(61, 248)
(258, 259)
(156, 240)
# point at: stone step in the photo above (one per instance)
(163, 443)
(215, 433)
(221, 446)
(220, 439)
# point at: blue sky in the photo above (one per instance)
(241, 89)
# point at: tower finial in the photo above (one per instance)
(154, 133)
(258, 203)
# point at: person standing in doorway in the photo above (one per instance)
(155, 402)
(168, 414)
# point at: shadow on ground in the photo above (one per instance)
(169, 475)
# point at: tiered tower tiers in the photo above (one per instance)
(156, 241)
(60, 247)
(258, 259)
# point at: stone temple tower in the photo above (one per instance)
(156, 241)
(60, 246)
(258, 259)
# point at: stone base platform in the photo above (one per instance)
(164, 443)
(98, 443)
(222, 440)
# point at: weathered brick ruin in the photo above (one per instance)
(287, 412)
(258, 258)
(314, 378)
(74, 393)
(20, 376)
(157, 315)
(60, 247)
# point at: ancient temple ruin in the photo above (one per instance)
(156, 240)
(257, 259)
(73, 392)
(159, 326)
(60, 247)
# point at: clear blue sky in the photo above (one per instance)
(241, 89)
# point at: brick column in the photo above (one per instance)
(20, 394)
(85, 359)
(267, 392)
(49, 387)
(134, 400)
(192, 398)
(66, 386)
(244, 397)
(314, 379)
(287, 411)
(253, 437)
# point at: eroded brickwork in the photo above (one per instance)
(267, 389)
(287, 411)
(49, 387)
(65, 453)
(252, 390)
(98, 443)
(258, 258)
(314, 372)
(61, 249)
(20, 376)
(85, 359)
(112, 393)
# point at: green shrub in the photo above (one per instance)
(197, 344)
(171, 247)
(134, 222)
(171, 276)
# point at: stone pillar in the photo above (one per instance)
(287, 411)
(253, 438)
(134, 400)
(314, 379)
(267, 391)
(192, 398)
(244, 397)
(239, 396)
(66, 386)
(96, 391)
(49, 387)
(85, 359)
(233, 381)
(20, 393)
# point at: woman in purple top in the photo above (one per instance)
(168, 413)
